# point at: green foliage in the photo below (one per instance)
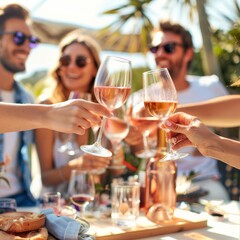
(137, 78)
(35, 83)
(227, 49)
(196, 65)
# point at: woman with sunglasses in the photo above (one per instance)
(76, 69)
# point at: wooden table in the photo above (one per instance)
(103, 229)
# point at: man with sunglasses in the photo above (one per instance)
(16, 42)
(172, 48)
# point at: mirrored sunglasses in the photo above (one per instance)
(168, 48)
(19, 38)
(80, 61)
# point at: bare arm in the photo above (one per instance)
(71, 116)
(186, 130)
(52, 176)
(218, 112)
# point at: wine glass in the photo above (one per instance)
(71, 146)
(81, 189)
(160, 99)
(116, 129)
(146, 124)
(112, 87)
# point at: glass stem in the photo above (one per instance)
(99, 138)
(145, 140)
(169, 144)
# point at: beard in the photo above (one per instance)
(11, 67)
(175, 69)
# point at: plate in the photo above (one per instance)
(17, 222)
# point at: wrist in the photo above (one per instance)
(212, 146)
(46, 116)
(64, 173)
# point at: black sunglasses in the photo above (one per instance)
(80, 61)
(168, 48)
(19, 38)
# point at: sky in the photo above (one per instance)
(86, 13)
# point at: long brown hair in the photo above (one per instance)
(60, 92)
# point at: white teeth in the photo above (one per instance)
(163, 64)
(73, 75)
(21, 56)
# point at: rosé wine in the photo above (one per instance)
(112, 97)
(161, 109)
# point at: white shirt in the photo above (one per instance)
(200, 89)
(10, 149)
(60, 159)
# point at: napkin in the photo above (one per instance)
(65, 228)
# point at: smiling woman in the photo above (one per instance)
(75, 71)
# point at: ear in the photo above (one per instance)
(189, 55)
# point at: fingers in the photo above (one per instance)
(181, 118)
(172, 126)
(87, 115)
(180, 123)
(94, 107)
(182, 143)
(178, 141)
(93, 162)
(182, 127)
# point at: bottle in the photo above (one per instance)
(160, 195)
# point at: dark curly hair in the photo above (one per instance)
(167, 26)
(12, 11)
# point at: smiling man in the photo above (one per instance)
(172, 48)
(16, 42)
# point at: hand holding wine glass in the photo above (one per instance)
(112, 87)
(160, 99)
(81, 189)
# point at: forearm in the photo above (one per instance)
(56, 176)
(225, 150)
(218, 112)
(21, 117)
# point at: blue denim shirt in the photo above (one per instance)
(26, 139)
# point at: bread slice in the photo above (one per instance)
(40, 234)
(17, 222)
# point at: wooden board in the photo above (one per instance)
(103, 229)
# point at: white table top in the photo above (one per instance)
(224, 228)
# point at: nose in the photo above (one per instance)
(160, 52)
(72, 64)
(26, 46)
